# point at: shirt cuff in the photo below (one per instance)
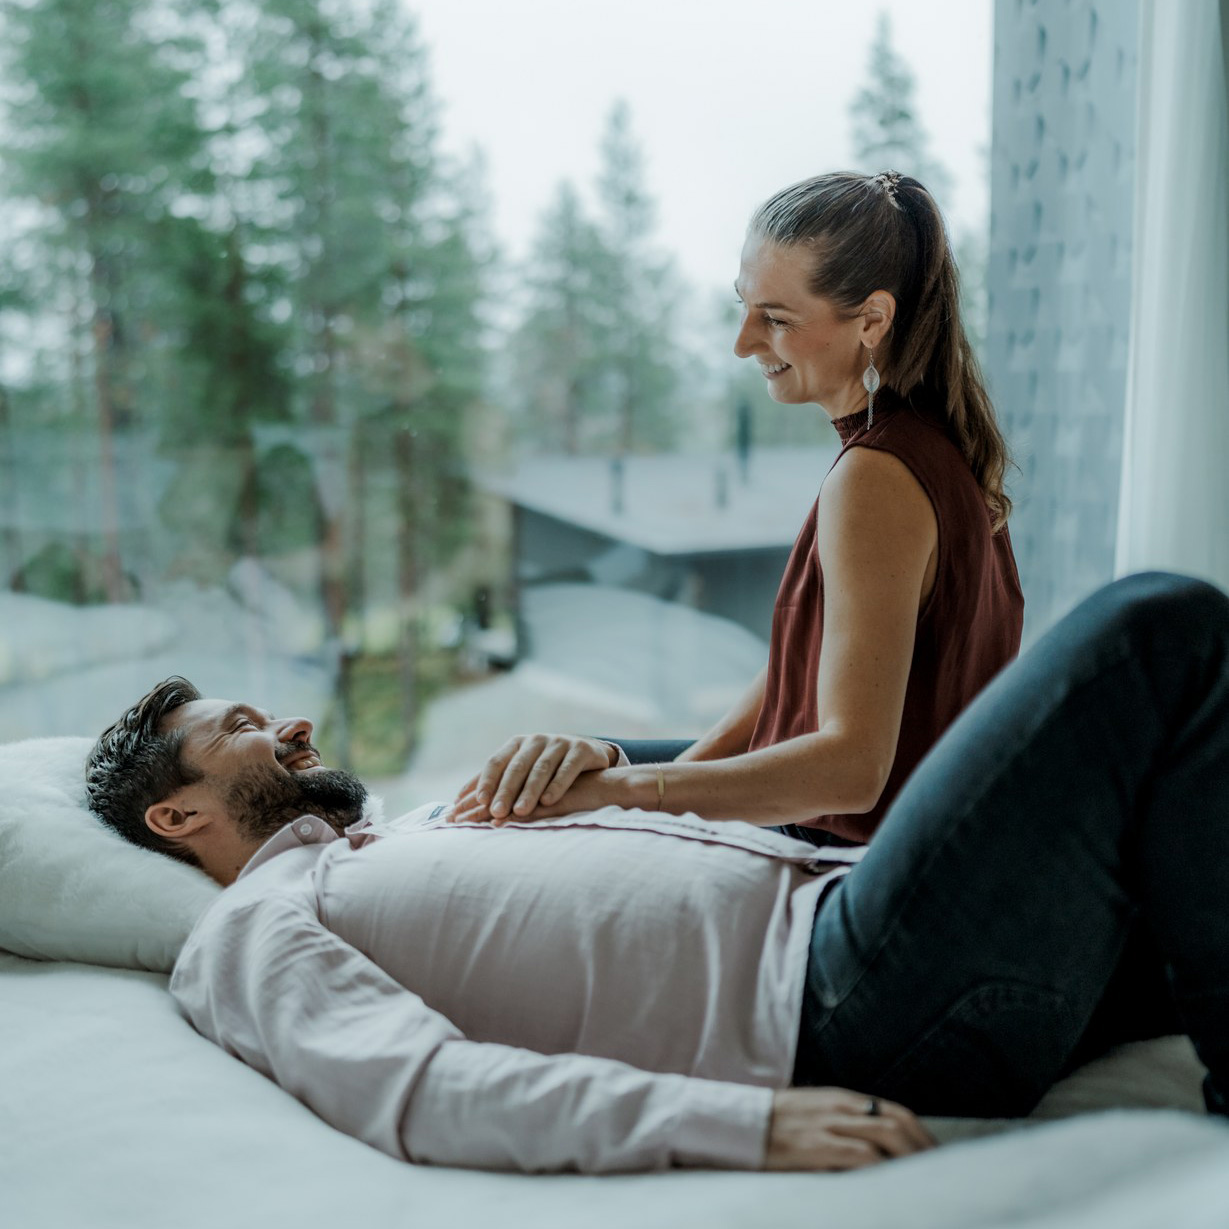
(723, 1125)
(622, 761)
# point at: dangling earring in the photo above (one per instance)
(870, 382)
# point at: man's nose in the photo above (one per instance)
(295, 730)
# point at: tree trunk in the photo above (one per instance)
(571, 415)
(102, 330)
(10, 533)
(573, 388)
(239, 434)
(407, 576)
(356, 546)
(80, 344)
(627, 411)
(333, 569)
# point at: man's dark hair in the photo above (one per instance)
(135, 764)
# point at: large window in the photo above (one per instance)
(371, 361)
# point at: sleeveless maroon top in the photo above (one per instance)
(967, 630)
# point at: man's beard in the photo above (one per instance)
(264, 800)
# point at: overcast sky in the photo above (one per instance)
(731, 101)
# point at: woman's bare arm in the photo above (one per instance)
(878, 541)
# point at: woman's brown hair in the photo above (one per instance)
(885, 232)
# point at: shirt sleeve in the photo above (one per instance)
(273, 986)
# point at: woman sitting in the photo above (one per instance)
(900, 600)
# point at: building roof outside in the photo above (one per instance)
(674, 503)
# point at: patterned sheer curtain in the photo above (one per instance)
(1174, 499)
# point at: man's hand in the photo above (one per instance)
(830, 1129)
(527, 772)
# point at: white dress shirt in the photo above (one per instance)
(614, 990)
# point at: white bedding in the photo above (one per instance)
(113, 1113)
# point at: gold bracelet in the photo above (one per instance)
(661, 787)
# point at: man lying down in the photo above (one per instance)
(626, 990)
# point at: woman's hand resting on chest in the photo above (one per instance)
(529, 775)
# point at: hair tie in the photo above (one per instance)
(889, 181)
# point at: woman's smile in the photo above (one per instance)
(770, 371)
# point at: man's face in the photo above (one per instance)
(264, 769)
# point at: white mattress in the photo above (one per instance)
(113, 1113)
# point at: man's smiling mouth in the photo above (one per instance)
(301, 762)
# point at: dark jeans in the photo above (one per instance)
(1075, 816)
(651, 750)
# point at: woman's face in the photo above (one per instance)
(805, 350)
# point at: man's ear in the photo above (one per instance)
(877, 315)
(174, 818)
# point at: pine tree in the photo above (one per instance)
(10, 537)
(595, 352)
(102, 132)
(887, 133)
(308, 201)
(429, 370)
(242, 221)
(381, 287)
(559, 345)
(637, 292)
(12, 301)
(226, 377)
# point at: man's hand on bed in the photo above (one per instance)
(528, 776)
(830, 1129)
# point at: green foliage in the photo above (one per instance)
(280, 508)
(230, 232)
(102, 132)
(320, 185)
(105, 129)
(198, 509)
(62, 574)
(380, 736)
(226, 370)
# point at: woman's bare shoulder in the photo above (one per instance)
(863, 476)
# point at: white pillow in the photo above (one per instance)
(70, 888)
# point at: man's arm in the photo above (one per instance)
(498, 1107)
(274, 987)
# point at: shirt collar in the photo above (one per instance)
(306, 830)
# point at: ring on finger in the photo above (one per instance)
(872, 1108)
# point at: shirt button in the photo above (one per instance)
(305, 828)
